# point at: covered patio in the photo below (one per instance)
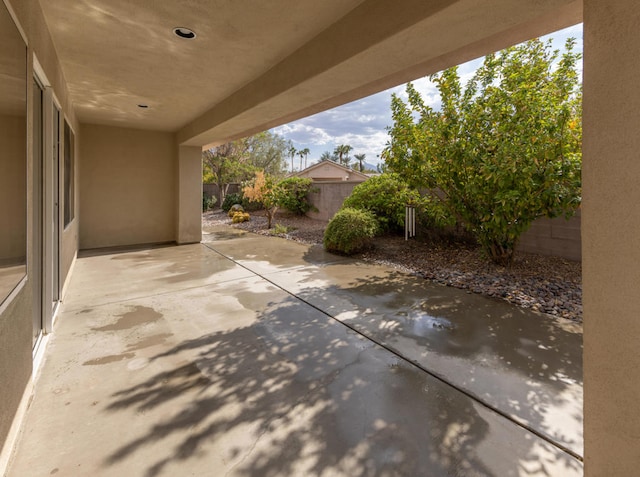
(105, 107)
(253, 356)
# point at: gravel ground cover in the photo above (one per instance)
(550, 285)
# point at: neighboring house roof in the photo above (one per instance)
(331, 171)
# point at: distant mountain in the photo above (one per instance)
(355, 165)
(369, 166)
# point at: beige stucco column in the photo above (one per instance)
(189, 191)
(611, 237)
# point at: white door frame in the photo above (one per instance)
(51, 232)
(36, 258)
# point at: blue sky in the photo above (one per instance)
(362, 124)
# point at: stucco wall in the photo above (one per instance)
(41, 46)
(188, 201)
(610, 233)
(15, 357)
(127, 186)
(327, 198)
(33, 24)
(16, 328)
(329, 171)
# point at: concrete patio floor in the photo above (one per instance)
(254, 356)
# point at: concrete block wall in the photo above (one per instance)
(558, 237)
(214, 191)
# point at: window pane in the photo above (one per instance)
(13, 155)
(69, 196)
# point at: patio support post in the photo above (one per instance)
(610, 237)
(189, 195)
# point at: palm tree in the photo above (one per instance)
(347, 158)
(342, 151)
(303, 154)
(360, 159)
(292, 154)
(327, 156)
(338, 152)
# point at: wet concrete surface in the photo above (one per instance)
(524, 364)
(247, 368)
(115, 277)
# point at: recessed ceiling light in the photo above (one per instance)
(185, 33)
(143, 106)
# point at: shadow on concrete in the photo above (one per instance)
(525, 364)
(297, 393)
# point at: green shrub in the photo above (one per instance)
(292, 194)
(231, 199)
(350, 231)
(208, 201)
(252, 205)
(280, 229)
(240, 217)
(385, 196)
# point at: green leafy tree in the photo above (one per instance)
(237, 161)
(226, 164)
(293, 194)
(501, 152)
(267, 151)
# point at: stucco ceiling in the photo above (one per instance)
(257, 64)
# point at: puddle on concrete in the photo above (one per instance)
(149, 341)
(137, 363)
(361, 345)
(422, 324)
(393, 363)
(108, 359)
(139, 315)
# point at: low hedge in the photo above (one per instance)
(350, 231)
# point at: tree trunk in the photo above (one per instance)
(501, 254)
(271, 213)
(223, 188)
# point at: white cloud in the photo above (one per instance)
(362, 124)
(366, 118)
(299, 132)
